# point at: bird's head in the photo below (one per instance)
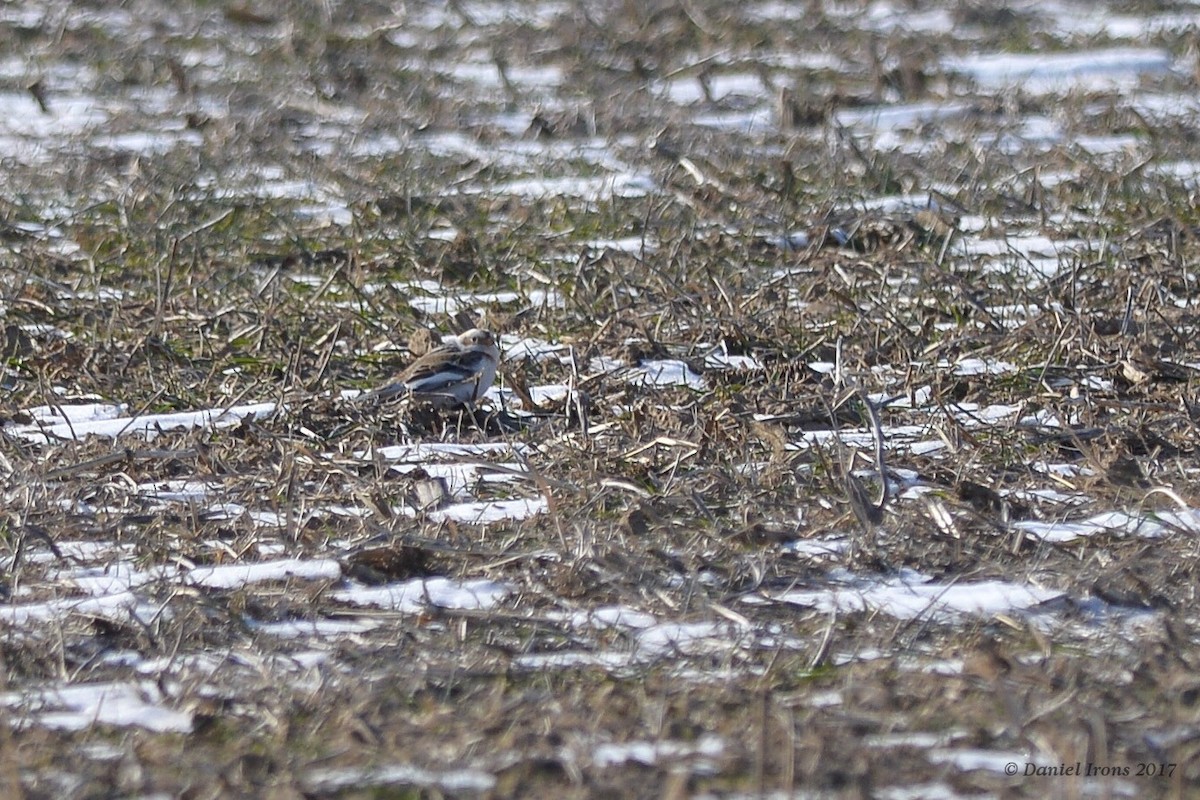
(477, 338)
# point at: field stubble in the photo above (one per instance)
(739, 262)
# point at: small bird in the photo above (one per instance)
(457, 373)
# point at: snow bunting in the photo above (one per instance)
(457, 373)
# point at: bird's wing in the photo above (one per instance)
(423, 368)
(441, 374)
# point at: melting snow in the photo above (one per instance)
(981, 366)
(518, 348)
(708, 747)
(908, 595)
(80, 707)
(425, 450)
(613, 617)
(691, 638)
(597, 189)
(719, 359)
(415, 595)
(179, 491)
(634, 245)
(76, 422)
(121, 577)
(1151, 525)
(666, 373)
(485, 511)
(120, 606)
(967, 760)
(456, 781)
(1046, 72)
(313, 628)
